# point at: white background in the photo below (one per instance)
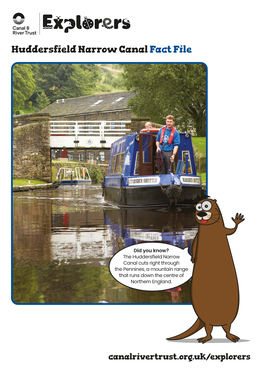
(228, 37)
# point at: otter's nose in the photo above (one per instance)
(201, 214)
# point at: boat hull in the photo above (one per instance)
(75, 182)
(151, 196)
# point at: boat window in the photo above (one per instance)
(113, 164)
(116, 164)
(136, 164)
(121, 161)
(189, 161)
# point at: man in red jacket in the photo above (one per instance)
(167, 142)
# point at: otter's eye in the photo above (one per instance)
(199, 207)
(206, 205)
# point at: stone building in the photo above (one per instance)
(110, 108)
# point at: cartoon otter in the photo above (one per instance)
(214, 288)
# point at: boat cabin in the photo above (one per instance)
(139, 154)
(134, 177)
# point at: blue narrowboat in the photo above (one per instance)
(133, 178)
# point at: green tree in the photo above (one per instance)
(162, 89)
(65, 80)
(81, 82)
(42, 100)
(23, 85)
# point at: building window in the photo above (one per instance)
(81, 157)
(102, 156)
(90, 156)
(55, 154)
(70, 157)
(117, 100)
(96, 103)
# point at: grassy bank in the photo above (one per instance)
(21, 182)
(200, 144)
(203, 177)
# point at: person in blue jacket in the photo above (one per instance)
(167, 142)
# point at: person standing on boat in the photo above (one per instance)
(167, 142)
(148, 126)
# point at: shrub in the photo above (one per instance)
(96, 175)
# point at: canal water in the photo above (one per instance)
(64, 238)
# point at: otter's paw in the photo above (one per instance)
(232, 337)
(204, 339)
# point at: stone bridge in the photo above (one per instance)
(31, 147)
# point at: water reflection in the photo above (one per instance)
(63, 240)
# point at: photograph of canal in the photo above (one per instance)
(64, 239)
(88, 175)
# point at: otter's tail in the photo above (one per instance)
(193, 329)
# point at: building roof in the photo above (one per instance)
(104, 102)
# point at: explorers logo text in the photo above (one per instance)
(79, 22)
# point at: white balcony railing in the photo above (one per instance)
(86, 133)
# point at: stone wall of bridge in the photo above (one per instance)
(31, 147)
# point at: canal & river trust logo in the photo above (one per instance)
(18, 18)
(20, 28)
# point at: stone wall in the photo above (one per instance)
(31, 147)
(138, 123)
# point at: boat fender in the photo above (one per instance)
(173, 192)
